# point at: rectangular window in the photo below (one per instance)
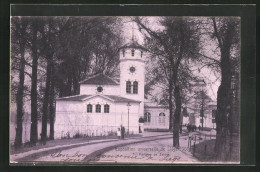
(135, 89)
(128, 87)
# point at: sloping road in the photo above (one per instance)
(151, 148)
(33, 155)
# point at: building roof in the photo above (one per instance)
(86, 97)
(99, 79)
(121, 99)
(133, 44)
(154, 105)
(74, 98)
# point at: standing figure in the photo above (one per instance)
(122, 132)
(119, 132)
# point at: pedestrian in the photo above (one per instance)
(123, 132)
(188, 127)
(199, 127)
(119, 132)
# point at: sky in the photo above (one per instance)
(131, 29)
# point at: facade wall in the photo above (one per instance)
(139, 76)
(156, 122)
(92, 89)
(72, 118)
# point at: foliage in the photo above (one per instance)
(141, 120)
(171, 48)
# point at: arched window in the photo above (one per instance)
(89, 108)
(98, 108)
(147, 117)
(106, 108)
(133, 52)
(128, 86)
(135, 89)
(162, 118)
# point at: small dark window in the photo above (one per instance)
(106, 108)
(147, 117)
(89, 108)
(133, 52)
(123, 52)
(99, 89)
(98, 108)
(135, 89)
(128, 87)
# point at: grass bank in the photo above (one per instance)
(204, 151)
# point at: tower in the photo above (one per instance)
(132, 72)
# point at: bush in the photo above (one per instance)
(111, 133)
(141, 120)
(78, 135)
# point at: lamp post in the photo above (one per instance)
(128, 106)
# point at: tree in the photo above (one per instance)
(173, 46)
(56, 53)
(18, 27)
(34, 106)
(48, 49)
(203, 99)
(226, 31)
(88, 46)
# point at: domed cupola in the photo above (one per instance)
(132, 50)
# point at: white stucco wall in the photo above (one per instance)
(155, 124)
(136, 61)
(92, 89)
(72, 117)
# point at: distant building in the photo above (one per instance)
(194, 108)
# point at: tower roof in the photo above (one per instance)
(99, 79)
(133, 44)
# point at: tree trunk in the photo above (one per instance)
(34, 113)
(19, 99)
(177, 94)
(171, 107)
(176, 119)
(224, 92)
(68, 91)
(46, 103)
(223, 107)
(75, 82)
(51, 105)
